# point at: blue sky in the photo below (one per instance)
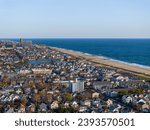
(75, 18)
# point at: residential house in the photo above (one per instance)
(95, 95)
(126, 99)
(102, 85)
(86, 103)
(31, 108)
(82, 109)
(43, 107)
(54, 105)
(74, 104)
(109, 102)
(22, 108)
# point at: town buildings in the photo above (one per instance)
(37, 78)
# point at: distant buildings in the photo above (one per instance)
(41, 71)
(21, 40)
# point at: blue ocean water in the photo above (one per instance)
(132, 51)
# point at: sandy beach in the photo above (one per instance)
(109, 63)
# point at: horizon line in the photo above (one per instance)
(78, 38)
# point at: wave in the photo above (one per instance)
(131, 64)
(108, 58)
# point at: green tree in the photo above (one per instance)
(136, 91)
(123, 92)
(67, 97)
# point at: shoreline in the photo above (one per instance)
(102, 61)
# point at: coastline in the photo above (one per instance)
(102, 61)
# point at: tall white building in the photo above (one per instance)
(77, 86)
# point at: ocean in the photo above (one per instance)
(129, 51)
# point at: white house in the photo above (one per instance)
(127, 99)
(54, 105)
(86, 103)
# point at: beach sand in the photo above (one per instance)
(108, 63)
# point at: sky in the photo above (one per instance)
(74, 18)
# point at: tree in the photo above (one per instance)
(123, 92)
(6, 81)
(136, 91)
(37, 98)
(41, 85)
(67, 97)
(32, 84)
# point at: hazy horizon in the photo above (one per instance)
(26, 38)
(74, 19)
